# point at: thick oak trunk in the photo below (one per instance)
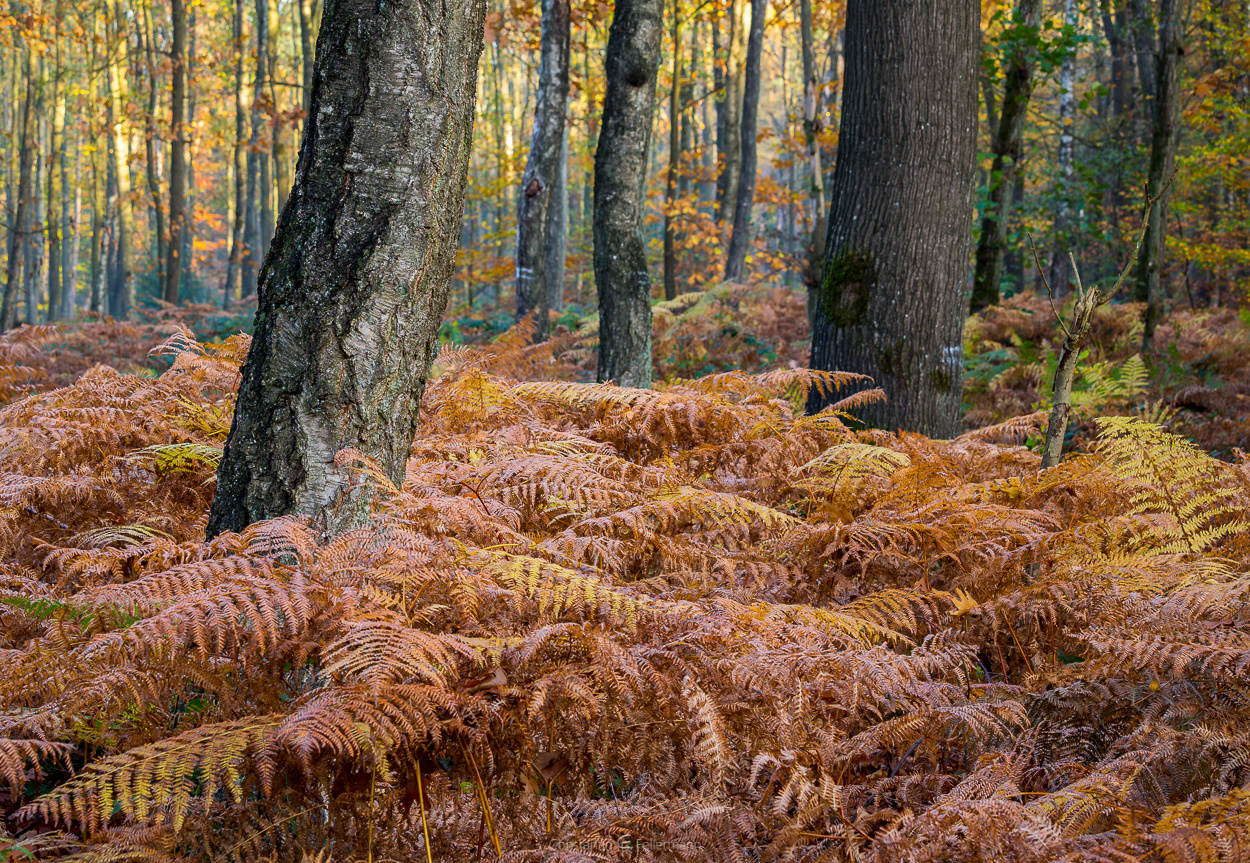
(621, 275)
(891, 303)
(540, 184)
(353, 291)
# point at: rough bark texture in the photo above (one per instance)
(892, 292)
(1006, 146)
(740, 239)
(540, 183)
(177, 153)
(1162, 156)
(353, 291)
(621, 275)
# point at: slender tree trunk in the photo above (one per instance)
(99, 288)
(674, 161)
(119, 96)
(306, 46)
(1060, 270)
(153, 144)
(189, 141)
(27, 146)
(812, 128)
(1163, 137)
(1006, 146)
(264, 187)
(621, 275)
(892, 293)
(353, 292)
(35, 278)
(281, 126)
(558, 228)
(740, 240)
(731, 144)
(177, 153)
(71, 207)
(241, 111)
(540, 184)
(56, 137)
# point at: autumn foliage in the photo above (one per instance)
(598, 623)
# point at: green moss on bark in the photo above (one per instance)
(847, 287)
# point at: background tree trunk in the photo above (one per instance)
(177, 153)
(1060, 270)
(56, 136)
(119, 96)
(558, 227)
(264, 143)
(674, 160)
(730, 142)
(621, 274)
(1162, 156)
(353, 291)
(241, 110)
(152, 143)
(1007, 145)
(540, 183)
(892, 292)
(189, 142)
(811, 133)
(21, 213)
(740, 240)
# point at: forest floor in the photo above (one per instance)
(598, 623)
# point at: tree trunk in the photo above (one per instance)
(892, 292)
(1163, 135)
(189, 141)
(674, 161)
(241, 111)
(99, 287)
(177, 153)
(264, 148)
(730, 145)
(353, 291)
(558, 228)
(811, 136)
(71, 208)
(1060, 270)
(1006, 146)
(119, 133)
(621, 275)
(152, 142)
(307, 45)
(18, 244)
(281, 125)
(540, 183)
(740, 240)
(56, 136)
